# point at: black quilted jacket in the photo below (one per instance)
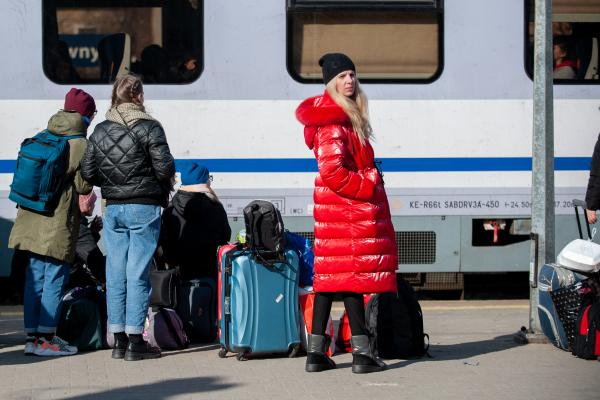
(592, 196)
(130, 166)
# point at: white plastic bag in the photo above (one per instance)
(580, 255)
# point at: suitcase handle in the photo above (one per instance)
(238, 250)
(580, 203)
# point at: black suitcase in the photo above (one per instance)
(197, 308)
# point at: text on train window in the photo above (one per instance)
(575, 37)
(94, 41)
(393, 40)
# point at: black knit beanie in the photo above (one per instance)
(333, 64)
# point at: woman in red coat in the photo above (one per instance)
(355, 247)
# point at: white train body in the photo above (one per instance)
(456, 151)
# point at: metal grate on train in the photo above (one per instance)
(413, 247)
(435, 280)
(416, 247)
(309, 235)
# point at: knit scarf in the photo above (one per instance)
(127, 114)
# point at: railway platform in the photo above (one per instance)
(474, 356)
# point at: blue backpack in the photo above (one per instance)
(305, 252)
(40, 172)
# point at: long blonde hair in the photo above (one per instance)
(356, 107)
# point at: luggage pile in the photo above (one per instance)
(253, 305)
(260, 304)
(258, 288)
(569, 295)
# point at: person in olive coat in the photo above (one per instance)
(49, 239)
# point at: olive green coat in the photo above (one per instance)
(55, 235)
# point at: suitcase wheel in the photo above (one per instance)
(222, 352)
(294, 351)
(241, 356)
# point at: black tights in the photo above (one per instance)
(355, 308)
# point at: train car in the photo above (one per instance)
(449, 84)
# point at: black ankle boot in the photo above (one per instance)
(139, 349)
(317, 360)
(363, 359)
(121, 342)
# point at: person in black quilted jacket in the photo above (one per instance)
(592, 196)
(129, 159)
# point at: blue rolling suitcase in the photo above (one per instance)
(259, 304)
(558, 304)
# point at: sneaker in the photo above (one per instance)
(30, 345)
(54, 347)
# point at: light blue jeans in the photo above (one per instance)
(45, 281)
(130, 238)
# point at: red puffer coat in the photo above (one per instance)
(355, 247)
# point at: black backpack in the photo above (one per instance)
(395, 323)
(265, 233)
(83, 318)
(587, 332)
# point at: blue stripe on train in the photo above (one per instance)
(465, 164)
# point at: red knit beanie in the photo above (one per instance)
(80, 101)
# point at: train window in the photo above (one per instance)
(94, 41)
(389, 40)
(576, 40)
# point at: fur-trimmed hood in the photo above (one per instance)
(319, 111)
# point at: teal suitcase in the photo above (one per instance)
(259, 304)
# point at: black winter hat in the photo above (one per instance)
(333, 64)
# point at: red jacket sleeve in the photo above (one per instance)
(331, 153)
